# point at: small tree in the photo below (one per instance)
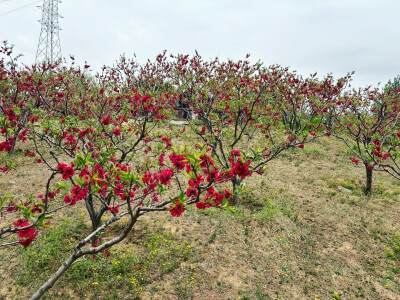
(112, 156)
(366, 122)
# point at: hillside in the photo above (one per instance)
(304, 231)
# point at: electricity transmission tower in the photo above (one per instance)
(49, 47)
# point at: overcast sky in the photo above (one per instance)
(323, 36)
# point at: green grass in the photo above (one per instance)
(393, 250)
(125, 272)
(295, 235)
(268, 212)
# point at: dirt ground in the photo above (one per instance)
(304, 231)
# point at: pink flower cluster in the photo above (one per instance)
(77, 194)
(26, 235)
(66, 171)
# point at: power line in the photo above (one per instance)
(16, 9)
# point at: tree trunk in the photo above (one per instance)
(95, 217)
(96, 223)
(50, 283)
(91, 251)
(368, 185)
(235, 199)
(214, 149)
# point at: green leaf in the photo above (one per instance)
(61, 186)
(43, 219)
(81, 161)
(31, 198)
(80, 181)
(181, 197)
(94, 189)
(224, 203)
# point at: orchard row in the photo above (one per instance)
(107, 140)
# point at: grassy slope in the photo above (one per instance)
(304, 231)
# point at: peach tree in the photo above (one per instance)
(367, 122)
(112, 158)
(248, 114)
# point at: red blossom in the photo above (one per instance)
(26, 235)
(354, 160)
(36, 209)
(179, 161)
(203, 131)
(106, 120)
(83, 133)
(11, 207)
(84, 172)
(67, 171)
(227, 194)
(206, 161)
(213, 176)
(161, 160)
(119, 191)
(235, 153)
(218, 198)
(106, 252)
(31, 154)
(7, 146)
(167, 141)
(4, 168)
(77, 194)
(177, 209)
(164, 176)
(200, 205)
(241, 169)
(192, 193)
(196, 182)
(114, 210)
(26, 241)
(117, 131)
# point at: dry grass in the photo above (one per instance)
(304, 231)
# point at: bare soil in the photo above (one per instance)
(304, 231)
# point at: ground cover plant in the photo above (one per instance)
(103, 154)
